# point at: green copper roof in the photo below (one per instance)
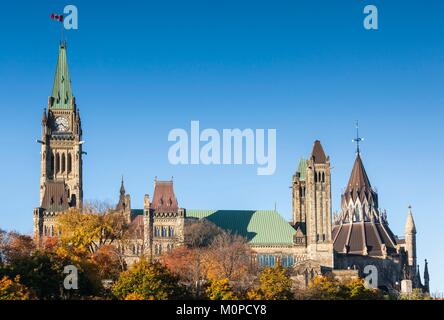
(302, 169)
(259, 227)
(61, 90)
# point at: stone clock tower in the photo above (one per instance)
(60, 155)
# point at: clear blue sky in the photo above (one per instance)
(307, 68)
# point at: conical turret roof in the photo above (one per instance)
(359, 184)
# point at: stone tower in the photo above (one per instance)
(410, 240)
(164, 220)
(61, 153)
(312, 205)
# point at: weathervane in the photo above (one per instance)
(357, 139)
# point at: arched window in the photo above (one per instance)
(69, 163)
(134, 249)
(57, 163)
(323, 177)
(171, 232)
(52, 231)
(63, 162)
(52, 163)
(164, 231)
(316, 177)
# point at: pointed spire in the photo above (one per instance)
(61, 91)
(318, 154)
(122, 188)
(426, 277)
(359, 184)
(44, 117)
(418, 277)
(410, 224)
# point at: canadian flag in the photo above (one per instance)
(57, 17)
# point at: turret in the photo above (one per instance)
(426, 277)
(410, 239)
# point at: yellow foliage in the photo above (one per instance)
(13, 289)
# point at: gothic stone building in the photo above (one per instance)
(309, 244)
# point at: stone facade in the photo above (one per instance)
(310, 245)
(61, 154)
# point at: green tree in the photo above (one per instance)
(220, 290)
(275, 284)
(150, 280)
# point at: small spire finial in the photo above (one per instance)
(358, 139)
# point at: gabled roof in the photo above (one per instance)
(259, 227)
(55, 197)
(61, 92)
(164, 199)
(318, 153)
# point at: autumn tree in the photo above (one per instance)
(274, 284)
(148, 280)
(107, 258)
(416, 294)
(92, 228)
(330, 288)
(12, 289)
(200, 233)
(14, 245)
(187, 263)
(43, 273)
(229, 256)
(220, 290)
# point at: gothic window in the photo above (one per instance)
(323, 177)
(57, 164)
(63, 162)
(52, 231)
(316, 177)
(171, 232)
(134, 249)
(69, 163)
(45, 231)
(164, 231)
(52, 163)
(156, 232)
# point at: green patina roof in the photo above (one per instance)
(137, 212)
(259, 227)
(61, 90)
(302, 169)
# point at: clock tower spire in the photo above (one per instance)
(61, 152)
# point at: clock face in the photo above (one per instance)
(61, 124)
